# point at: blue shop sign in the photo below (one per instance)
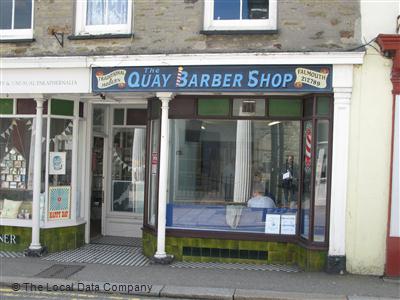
(310, 78)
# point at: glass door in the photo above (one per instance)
(128, 170)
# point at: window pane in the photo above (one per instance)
(321, 179)
(307, 180)
(213, 107)
(5, 14)
(308, 107)
(117, 11)
(62, 107)
(6, 106)
(119, 116)
(95, 13)
(255, 9)
(226, 9)
(249, 107)
(128, 169)
(23, 14)
(323, 104)
(227, 175)
(285, 107)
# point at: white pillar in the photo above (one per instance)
(160, 254)
(35, 246)
(242, 187)
(340, 152)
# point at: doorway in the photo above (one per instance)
(118, 171)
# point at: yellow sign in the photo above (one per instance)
(310, 77)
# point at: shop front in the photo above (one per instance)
(244, 163)
(207, 158)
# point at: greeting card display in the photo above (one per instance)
(12, 167)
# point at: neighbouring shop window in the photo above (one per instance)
(234, 175)
(128, 169)
(103, 17)
(153, 162)
(16, 167)
(240, 14)
(60, 169)
(16, 19)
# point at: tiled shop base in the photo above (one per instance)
(102, 254)
(228, 266)
(11, 254)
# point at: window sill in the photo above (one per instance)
(237, 32)
(100, 36)
(17, 41)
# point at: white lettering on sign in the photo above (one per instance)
(8, 239)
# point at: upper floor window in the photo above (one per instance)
(103, 17)
(16, 19)
(240, 14)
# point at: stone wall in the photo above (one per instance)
(174, 26)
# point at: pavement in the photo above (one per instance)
(168, 282)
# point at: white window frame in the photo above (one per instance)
(82, 29)
(249, 24)
(17, 34)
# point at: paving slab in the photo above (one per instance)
(245, 294)
(197, 293)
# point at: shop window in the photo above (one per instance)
(248, 107)
(28, 107)
(309, 107)
(16, 166)
(306, 198)
(81, 109)
(285, 107)
(60, 169)
(94, 17)
(321, 179)
(213, 107)
(236, 175)
(153, 159)
(16, 19)
(240, 14)
(62, 107)
(6, 106)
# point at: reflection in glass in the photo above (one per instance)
(128, 169)
(153, 172)
(240, 9)
(216, 166)
(321, 173)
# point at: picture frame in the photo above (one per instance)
(13, 185)
(17, 163)
(17, 178)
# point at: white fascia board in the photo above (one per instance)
(280, 58)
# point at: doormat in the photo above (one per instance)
(233, 266)
(118, 240)
(102, 254)
(59, 271)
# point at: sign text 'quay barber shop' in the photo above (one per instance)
(214, 78)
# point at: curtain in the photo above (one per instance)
(104, 12)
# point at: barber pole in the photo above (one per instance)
(179, 76)
(308, 147)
